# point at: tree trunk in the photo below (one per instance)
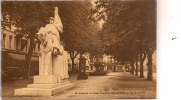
(136, 66)
(73, 56)
(28, 60)
(142, 58)
(73, 70)
(141, 69)
(150, 74)
(132, 64)
(141, 66)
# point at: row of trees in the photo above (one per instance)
(78, 31)
(129, 30)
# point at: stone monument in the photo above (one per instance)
(82, 69)
(53, 62)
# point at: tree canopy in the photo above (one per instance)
(78, 31)
(129, 30)
(129, 26)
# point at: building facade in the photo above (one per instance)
(14, 51)
(108, 59)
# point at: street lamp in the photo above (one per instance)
(82, 64)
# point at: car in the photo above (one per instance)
(11, 73)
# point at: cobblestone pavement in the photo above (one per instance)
(113, 85)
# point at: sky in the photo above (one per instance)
(101, 22)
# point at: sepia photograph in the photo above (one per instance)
(79, 49)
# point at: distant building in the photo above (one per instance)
(108, 59)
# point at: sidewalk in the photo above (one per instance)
(114, 85)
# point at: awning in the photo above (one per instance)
(22, 57)
(34, 58)
(17, 56)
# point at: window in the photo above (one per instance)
(33, 50)
(36, 47)
(4, 40)
(22, 41)
(17, 43)
(110, 59)
(26, 48)
(10, 42)
(23, 47)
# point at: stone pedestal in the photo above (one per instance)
(45, 79)
(82, 75)
(55, 82)
(45, 85)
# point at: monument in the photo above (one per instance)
(82, 71)
(53, 62)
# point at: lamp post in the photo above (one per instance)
(82, 74)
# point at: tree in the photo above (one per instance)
(79, 31)
(28, 17)
(129, 26)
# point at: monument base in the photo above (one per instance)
(46, 87)
(82, 75)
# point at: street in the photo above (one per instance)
(113, 85)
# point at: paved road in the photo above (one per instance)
(113, 85)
